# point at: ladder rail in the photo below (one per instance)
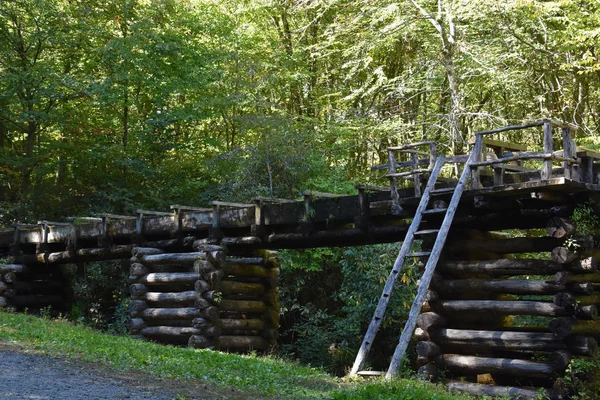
(415, 310)
(396, 269)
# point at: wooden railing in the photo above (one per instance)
(548, 156)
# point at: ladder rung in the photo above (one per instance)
(442, 191)
(419, 254)
(407, 173)
(435, 211)
(427, 232)
(370, 373)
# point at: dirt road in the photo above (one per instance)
(25, 376)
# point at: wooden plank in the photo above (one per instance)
(395, 272)
(584, 152)
(229, 204)
(179, 208)
(275, 200)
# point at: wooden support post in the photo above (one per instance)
(547, 164)
(476, 157)
(568, 152)
(416, 175)
(396, 208)
(258, 229)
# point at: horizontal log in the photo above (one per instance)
(503, 246)
(512, 307)
(429, 321)
(501, 267)
(3, 286)
(201, 245)
(200, 342)
(242, 343)
(429, 373)
(472, 365)
(243, 306)
(588, 300)
(16, 268)
(210, 331)
(173, 258)
(229, 325)
(216, 257)
(135, 325)
(586, 265)
(3, 302)
(480, 390)
(158, 278)
(560, 227)
(140, 252)
(270, 257)
(563, 327)
(9, 293)
(588, 312)
(137, 306)
(584, 278)
(202, 303)
(233, 287)
(201, 286)
(170, 313)
(245, 260)
(168, 331)
(427, 350)
(137, 290)
(249, 270)
(9, 277)
(171, 297)
(507, 286)
(211, 312)
(563, 255)
(137, 269)
(511, 340)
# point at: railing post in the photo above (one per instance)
(396, 208)
(416, 176)
(568, 152)
(477, 149)
(547, 166)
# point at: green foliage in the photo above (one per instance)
(100, 293)
(398, 389)
(582, 379)
(328, 298)
(586, 219)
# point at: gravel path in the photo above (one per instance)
(25, 376)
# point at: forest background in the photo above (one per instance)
(115, 105)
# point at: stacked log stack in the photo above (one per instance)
(33, 287)
(469, 326)
(204, 298)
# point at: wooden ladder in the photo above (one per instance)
(433, 258)
(396, 269)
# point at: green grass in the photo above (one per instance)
(252, 375)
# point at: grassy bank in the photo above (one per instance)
(254, 376)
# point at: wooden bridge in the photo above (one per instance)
(206, 276)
